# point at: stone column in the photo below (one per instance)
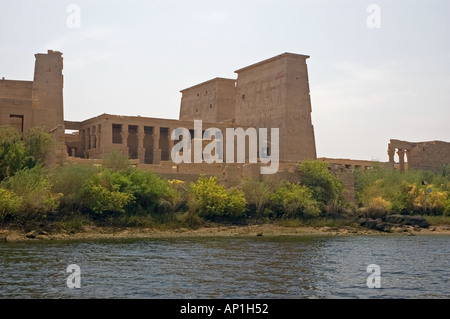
(401, 155)
(107, 137)
(156, 149)
(408, 158)
(391, 153)
(124, 135)
(98, 137)
(141, 149)
(82, 140)
(87, 143)
(93, 144)
(171, 143)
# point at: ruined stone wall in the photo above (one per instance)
(419, 155)
(429, 155)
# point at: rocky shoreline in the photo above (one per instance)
(380, 228)
(391, 223)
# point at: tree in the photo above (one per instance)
(12, 152)
(32, 185)
(37, 143)
(325, 186)
(19, 151)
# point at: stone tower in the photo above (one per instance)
(47, 93)
(212, 101)
(274, 93)
(25, 104)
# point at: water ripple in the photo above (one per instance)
(264, 267)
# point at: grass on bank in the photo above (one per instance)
(77, 222)
(317, 222)
(438, 220)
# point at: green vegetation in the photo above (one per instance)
(295, 200)
(19, 151)
(318, 222)
(34, 191)
(213, 201)
(380, 191)
(326, 188)
(438, 220)
(118, 194)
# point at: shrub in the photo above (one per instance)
(135, 191)
(12, 152)
(447, 207)
(18, 151)
(37, 143)
(176, 197)
(295, 200)
(404, 191)
(10, 204)
(235, 204)
(101, 199)
(212, 201)
(390, 186)
(208, 198)
(325, 186)
(71, 181)
(116, 161)
(34, 189)
(257, 194)
(150, 191)
(434, 203)
(376, 207)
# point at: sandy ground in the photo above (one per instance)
(92, 232)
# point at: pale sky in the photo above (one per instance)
(368, 85)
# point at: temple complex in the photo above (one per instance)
(419, 155)
(271, 94)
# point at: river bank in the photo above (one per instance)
(97, 232)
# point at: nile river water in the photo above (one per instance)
(260, 267)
